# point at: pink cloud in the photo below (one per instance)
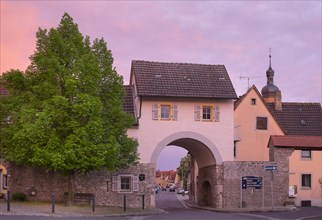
(18, 27)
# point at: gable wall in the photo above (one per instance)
(253, 144)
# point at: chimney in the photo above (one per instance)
(278, 100)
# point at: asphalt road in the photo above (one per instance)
(176, 211)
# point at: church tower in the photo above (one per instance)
(270, 92)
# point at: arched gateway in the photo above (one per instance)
(190, 106)
(204, 175)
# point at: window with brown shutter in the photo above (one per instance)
(261, 123)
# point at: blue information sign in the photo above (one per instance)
(271, 168)
(252, 182)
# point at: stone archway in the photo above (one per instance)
(209, 164)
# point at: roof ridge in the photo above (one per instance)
(166, 62)
(304, 103)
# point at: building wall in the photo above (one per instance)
(152, 132)
(3, 175)
(312, 166)
(253, 147)
(253, 144)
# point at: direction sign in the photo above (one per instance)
(252, 182)
(271, 168)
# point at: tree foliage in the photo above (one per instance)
(64, 113)
(183, 170)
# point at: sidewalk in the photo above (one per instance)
(45, 209)
(186, 203)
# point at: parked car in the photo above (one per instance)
(172, 189)
(180, 191)
(156, 189)
(164, 188)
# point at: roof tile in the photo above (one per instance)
(299, 118)
(158, 79)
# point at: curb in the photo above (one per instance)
(276, 209)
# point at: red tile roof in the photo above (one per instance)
(184, 80)
(128, 105)
(297, 142)
(299, 118)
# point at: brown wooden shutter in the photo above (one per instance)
(115, 183)
(217, 113)
(174, 112)
(197, 113)
(155, 112)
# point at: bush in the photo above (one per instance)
(19, 196)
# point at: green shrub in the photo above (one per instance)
(19, 196)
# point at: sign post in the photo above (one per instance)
(251, 182)
(271, 168)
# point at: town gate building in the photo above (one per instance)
(181, 104)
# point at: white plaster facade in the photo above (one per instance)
(154, 135)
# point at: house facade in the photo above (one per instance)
(258, 116)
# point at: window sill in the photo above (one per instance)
(306, 188)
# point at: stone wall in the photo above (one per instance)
(275, 183)
(210, 186)
(44, 183)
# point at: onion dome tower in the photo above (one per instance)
(270, 92)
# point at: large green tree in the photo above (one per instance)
(64, 113)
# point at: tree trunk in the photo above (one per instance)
(70, 200)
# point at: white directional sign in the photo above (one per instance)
(271, 168)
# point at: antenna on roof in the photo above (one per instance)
(248, 78)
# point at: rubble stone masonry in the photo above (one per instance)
(43, 183)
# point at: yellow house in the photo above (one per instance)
(258, 116)
(3, 181)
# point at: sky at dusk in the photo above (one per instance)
(237, 34)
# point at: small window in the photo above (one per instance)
(125, 183)
(235, 149)
(206, 112)
(306, 181)
(165, 112)
(253, 101)
(261, 123)
(306, 154)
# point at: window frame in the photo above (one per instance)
(213, 111)
(168, 112)
(128, 184)
(263, 127)
(158, 114)
(118, 186)
(4, 181)
(304, 186)
(253, 101)
(210, 113)
(303, 157)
